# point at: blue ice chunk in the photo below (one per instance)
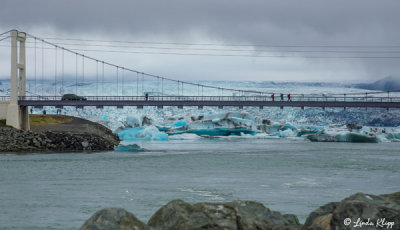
(163, 128)
(160, 137)
(287, 133)
(308, 131)
(148, 133)
(128, 148)
(273, 128)
(392, 136)
(130, 134)
(179, 123)
(356, 138)
(288, 126)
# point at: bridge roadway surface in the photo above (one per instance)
(220, 101)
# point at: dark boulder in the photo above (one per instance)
(236, 215)
(113, 219)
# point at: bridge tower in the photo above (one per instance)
(17, 116)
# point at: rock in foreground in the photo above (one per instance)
(113, 219)
(234, 215)
(382, 211)
(373, 212)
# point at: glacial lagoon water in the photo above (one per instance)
(62, 190)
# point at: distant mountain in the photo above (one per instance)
(385, 84)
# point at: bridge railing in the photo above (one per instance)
(4, 98)
(215, 98)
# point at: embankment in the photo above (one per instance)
(58, 133)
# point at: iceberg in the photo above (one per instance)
(184, 136)
(287, 133)
(179, 123)
(305, 131)
(129, 148)
(346, 137)
(212, 125)
(393, 136)
(132, 122)
(143, 133)
(357, 138)
(243, 124)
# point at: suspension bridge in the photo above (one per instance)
(133, 87)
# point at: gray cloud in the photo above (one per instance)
(309, 21)
(289, 22)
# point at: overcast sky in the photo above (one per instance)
(333, 23)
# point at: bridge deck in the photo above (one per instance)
(258, 101)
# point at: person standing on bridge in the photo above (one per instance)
(273, 97)
(289, 97)
(281, 96)
(147, 96)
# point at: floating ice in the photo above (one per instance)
(184, 136)
(143, 133)
(128, 148)
(343, 137)
(132, 122)
(180, 123)
(287, 133)
(244, 125)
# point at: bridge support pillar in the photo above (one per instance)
(17, 116)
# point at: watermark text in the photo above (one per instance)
(380, 223)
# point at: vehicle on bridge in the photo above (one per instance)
(72, 97)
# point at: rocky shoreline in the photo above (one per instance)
(359, 211)
(73, 136)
